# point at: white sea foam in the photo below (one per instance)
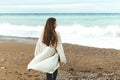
(96, 36)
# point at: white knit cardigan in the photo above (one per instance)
(46, 58)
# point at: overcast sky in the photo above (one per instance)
(59, 6)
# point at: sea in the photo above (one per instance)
(100, 30)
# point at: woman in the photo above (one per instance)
(49, 51)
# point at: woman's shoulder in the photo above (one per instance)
(58, 33)
(41, 31)
(41, 34)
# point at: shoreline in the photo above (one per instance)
(31, 40)
(28, 40)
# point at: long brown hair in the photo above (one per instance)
(50, 36)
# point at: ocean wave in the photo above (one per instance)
(91, 31)
(84, 31)
(96, 36)
(19, 30)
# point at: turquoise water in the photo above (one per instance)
(97, 30)
(87, 20)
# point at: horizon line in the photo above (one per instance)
(61, 13)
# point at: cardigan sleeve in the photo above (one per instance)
(38, 46)
(60, 50)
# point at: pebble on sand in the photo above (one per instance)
(2, 67)
(2, 60)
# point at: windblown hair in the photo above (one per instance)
(49, 36)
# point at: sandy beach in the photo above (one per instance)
(83, 62)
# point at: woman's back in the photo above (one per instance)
(49, 51)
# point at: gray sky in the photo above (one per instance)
(61, 6)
